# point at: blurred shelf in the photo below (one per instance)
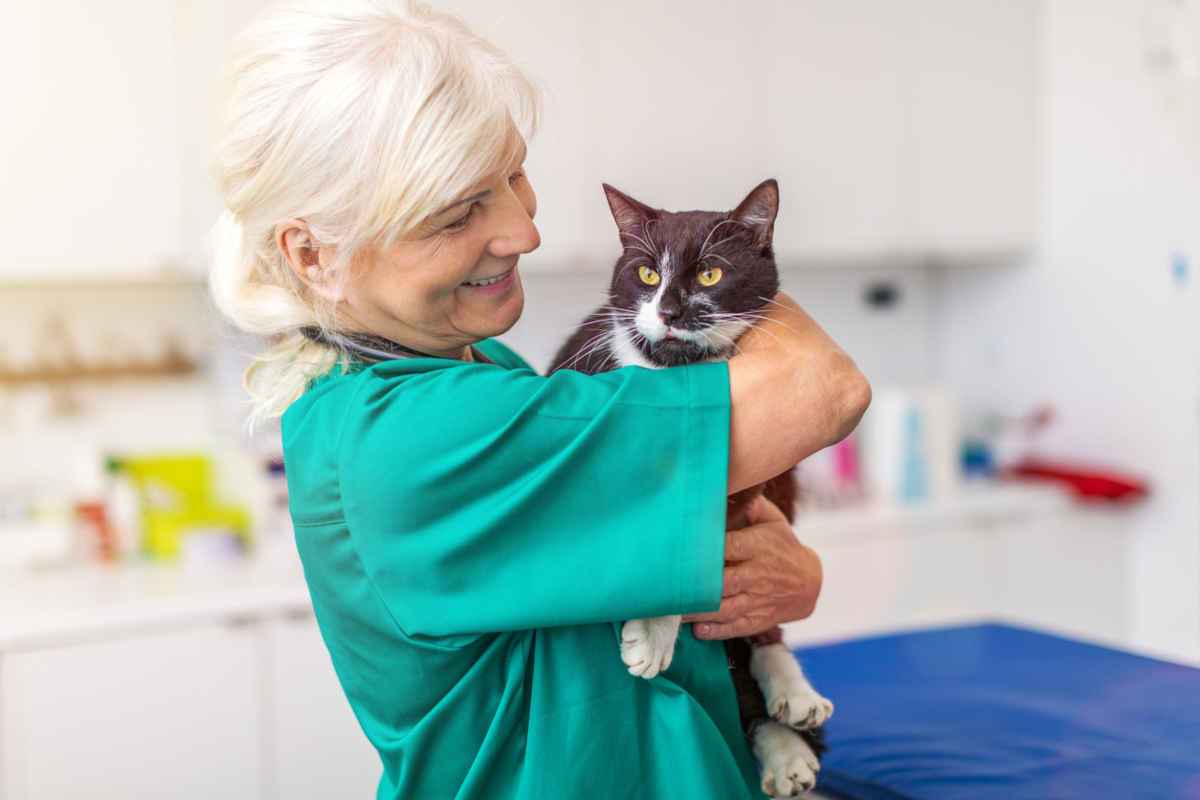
(172, 365)
(61, 606)
(92, 282)
(974, 505)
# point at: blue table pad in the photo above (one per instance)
(995, 711)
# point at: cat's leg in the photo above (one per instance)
(791, 699)
(789, 766)
(647, 645)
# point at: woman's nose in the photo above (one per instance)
(517, 235)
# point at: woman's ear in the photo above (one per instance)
(305, 256)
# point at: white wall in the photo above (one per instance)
(1095, 323)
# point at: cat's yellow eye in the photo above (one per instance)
(648, 276)
(709, 276)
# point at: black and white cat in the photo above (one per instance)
(685, 287)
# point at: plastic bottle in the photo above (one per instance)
(125, 510)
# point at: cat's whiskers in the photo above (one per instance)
(732, 342)
(592, 344)
(704, 244)
(744, 316)
(598, 346)
(622, 315)
(759, 316)
(778, 322)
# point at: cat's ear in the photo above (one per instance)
(757, 212)
(629, 214)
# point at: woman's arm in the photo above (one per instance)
(793, 392)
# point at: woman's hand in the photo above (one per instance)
(770, 577)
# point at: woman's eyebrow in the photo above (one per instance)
(471, 199)
(478, 195)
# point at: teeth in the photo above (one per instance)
(488, 281)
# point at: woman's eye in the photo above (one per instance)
(709, 276)
(516, 176)
(462, 221)
(648, 276)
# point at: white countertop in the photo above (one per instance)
(89, 601)
(974, 505)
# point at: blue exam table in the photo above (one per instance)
(993, 711)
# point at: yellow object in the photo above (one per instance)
(177, 500)
(710, 276)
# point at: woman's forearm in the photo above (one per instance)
(793, 392)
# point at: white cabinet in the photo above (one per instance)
(1061, 570)
(89, 156)
(901, 578)
(902, 130)
(110, 118)
(895, 129)
(1069, 574)
(317, 749)
(166, 715)
(249, 709)
(974, 126)
(834, 126)
(203, 33)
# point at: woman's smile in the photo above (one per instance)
(493, 285)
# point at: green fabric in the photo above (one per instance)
(472, 536)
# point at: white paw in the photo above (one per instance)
(791, 699)
(789, 766)
(647, 645)
(798, 705)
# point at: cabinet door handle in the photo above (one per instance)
(241, 621)
(298, 614)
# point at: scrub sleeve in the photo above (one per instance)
(489, 499)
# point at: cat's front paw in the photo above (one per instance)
(789, 766)
(799, 706)
(647, 645)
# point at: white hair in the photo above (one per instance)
(362, 118)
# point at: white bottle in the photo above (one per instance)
(125, 511)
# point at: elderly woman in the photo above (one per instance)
(473, 533)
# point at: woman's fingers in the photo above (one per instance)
(736, 579)
(730, 607)
(731, 630)
(763, 510)
(740, 615)
(745, 543)
(742, 545)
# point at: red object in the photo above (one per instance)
(1087, 482)
(95, 514)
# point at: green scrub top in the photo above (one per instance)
(472, 536)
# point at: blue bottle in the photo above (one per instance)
(914, 476)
